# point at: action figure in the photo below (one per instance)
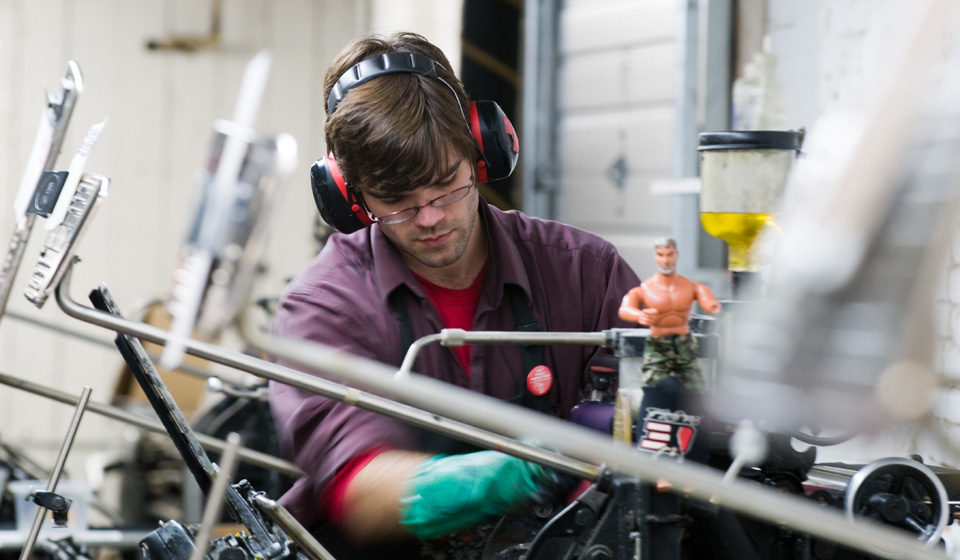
(666, 299)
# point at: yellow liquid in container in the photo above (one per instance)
(739, 230)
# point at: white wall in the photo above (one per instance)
(161, 106)
(616, 82)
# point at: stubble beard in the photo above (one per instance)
(438, 257)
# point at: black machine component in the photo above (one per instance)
(626, 518)
(57, 504)
(266, 540)
(619, 517)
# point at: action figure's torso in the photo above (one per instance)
(672, 296)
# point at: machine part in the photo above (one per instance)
(57, 471)
(460, 337)
(623, 423)
(53, 125)
(171, 541)
(220, 256)
(60, 244)
(614, 522)
(249, 416)
(238, 245)
(900, 492)
(487, 422)
(266, 540)
(282, 517)
(743, 174)
(261, 541)
(211, 513)
(58, 505)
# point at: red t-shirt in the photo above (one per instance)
(456, 309)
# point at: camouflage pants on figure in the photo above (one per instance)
(672, 354)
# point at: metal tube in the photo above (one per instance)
(184, 368)
(211, 513)
(57, 471)
(581, 445)
(459, 337)
(249, 456)
(292, 527)
(352, 396)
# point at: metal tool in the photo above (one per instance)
(57, 471)
(219, 259)
(59, 246)
(46, 148)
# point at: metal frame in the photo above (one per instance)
(307, 382)
(472, 413)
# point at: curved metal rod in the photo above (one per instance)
(249, 456)
(313, 384)
(280, 515)
(459, 337)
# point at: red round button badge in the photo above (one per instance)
(539, 380)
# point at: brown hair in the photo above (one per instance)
(394, 132)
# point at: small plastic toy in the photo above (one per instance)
(663, 303)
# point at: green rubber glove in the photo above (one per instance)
(445, 494)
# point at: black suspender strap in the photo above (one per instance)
(406, 329)
(532, 353)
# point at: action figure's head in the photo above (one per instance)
(397, 131)
(665, 253)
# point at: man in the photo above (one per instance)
(663, 303)
(437, 256)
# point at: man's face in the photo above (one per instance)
(666, 258)
(434, 237)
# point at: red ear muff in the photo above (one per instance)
(337, 205)
(496, 139)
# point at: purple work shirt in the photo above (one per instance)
(347, 298)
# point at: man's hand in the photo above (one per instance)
(446, 494)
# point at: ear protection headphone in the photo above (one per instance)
(490, 127)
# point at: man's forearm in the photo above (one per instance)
(371, 501)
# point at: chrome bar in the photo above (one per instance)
(292, 527)
(57, 471)
(352, 396)
(249, 456)
(184, 368)
(460, 337)
(211, 513)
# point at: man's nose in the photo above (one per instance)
(428, 216)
